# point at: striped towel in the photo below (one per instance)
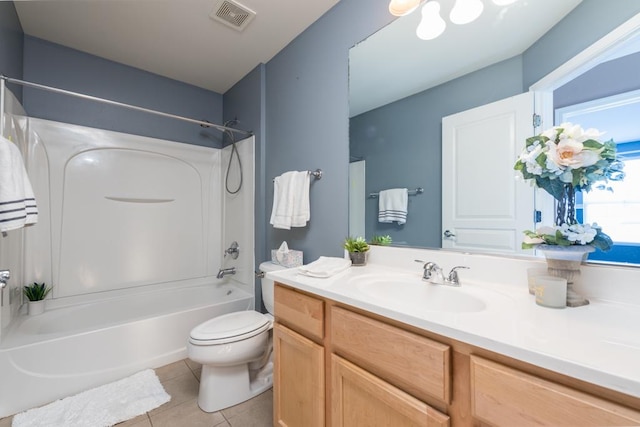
(392, 205)
(17, 202)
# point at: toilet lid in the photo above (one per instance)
(231, 327)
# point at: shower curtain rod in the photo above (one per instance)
(121, 104)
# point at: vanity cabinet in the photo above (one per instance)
(341, 366)
(299, 363)
(504, 396)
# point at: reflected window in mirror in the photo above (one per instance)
(617, 210)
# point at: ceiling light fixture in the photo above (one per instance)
(432, 24)
(403, 7)
(466, 11)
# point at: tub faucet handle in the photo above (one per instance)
(233, 250)
(5, 275)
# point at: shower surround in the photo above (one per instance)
(131, 234)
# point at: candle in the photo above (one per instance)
(532, 273)
(551, 291)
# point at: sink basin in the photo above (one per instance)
(408, 292)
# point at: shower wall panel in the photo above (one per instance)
(124, 210)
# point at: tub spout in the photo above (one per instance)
(225, 272)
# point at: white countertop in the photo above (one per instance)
(598, 343)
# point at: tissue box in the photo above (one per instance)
(289, 259)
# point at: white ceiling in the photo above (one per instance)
(394, 63)
(172, 38)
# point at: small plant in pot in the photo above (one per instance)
(36, 293)
(357, 248)
(381, 240)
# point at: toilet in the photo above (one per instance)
(235, 351)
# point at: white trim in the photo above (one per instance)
(601, 104)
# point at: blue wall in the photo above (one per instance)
(58, 66)
(245, 102)
(611, 78)
(307, 121)
(11, 45)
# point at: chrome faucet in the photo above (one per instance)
(5, 275)
(432, 273)
(453, 279)
(225, 272)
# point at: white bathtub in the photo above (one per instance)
(77, 347)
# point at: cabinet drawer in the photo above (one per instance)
(409, 361)
(505, 396)
(360, 398)
(300, 312)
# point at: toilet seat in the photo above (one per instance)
(229, 328)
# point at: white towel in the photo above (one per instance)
(291, 200)
(392, 205)
(17, 203)
(325, 267)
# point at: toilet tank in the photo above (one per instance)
(267, 284)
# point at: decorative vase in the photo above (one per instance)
(566, 206)
(565, 261)
(35, 307)
(358, 258)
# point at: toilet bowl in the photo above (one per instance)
(235, 351)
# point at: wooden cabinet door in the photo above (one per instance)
(360, 399)
(503, 396)
(298, 383)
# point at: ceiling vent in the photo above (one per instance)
(232, 14)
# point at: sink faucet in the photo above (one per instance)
(432, 273)
(225, 272)
(453, 279)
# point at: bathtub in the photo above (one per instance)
(74, 347)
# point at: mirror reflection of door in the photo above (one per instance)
(484, 207)
(357, 198)
(616, 211)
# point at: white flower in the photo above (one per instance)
(581, 234)
(532, 240)
(571, 153)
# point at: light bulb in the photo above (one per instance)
(466, 11)
(503, 2)
(403, 7)
(432, 24)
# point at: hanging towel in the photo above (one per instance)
(291, 200)
(392, 205)
(17, 203)
(325, 267)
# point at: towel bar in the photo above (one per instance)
(317, 174)
(415, 192)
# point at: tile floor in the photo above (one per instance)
(181, 381)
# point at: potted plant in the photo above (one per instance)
(381, 240)
(36, 293)
(357, 248)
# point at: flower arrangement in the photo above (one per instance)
(562, 160)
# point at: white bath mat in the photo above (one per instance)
(100, 407)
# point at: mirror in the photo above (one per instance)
(400, 89)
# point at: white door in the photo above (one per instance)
(357, 198)
(484, 207)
